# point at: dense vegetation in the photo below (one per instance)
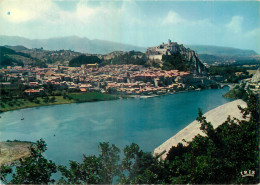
(222, 156)
(229, 73)
(84, 59)
(5, 59)
(131, 57)
(9, 57)
(255, 63)
(238, 92)
(91, 96)
(176, 61)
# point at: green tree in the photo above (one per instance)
(84, 59)
(176, 61)
(141, 167)
(52, 99)
(102, 169)
(86, 172)
(110, 162)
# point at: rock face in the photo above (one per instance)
(156, 53)
(11, 152)
(216, 116)
(256, 77)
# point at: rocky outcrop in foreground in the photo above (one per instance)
(216, 116)
(11, 152)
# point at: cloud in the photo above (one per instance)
(39, 18)
(235, 25)
(253, 33)
(87, 14)
(173, 18)
(22, 11)
(125, 22)
(47, 10)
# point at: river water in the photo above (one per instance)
(72, 130)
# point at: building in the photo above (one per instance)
(156, 53)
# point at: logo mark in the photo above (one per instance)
(249, 173)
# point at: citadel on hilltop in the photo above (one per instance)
(157, 54)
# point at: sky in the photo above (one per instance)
(142, 23)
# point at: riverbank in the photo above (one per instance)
(12, 151)
(216, 116)
(156, 95)
(22, 103)
(74, 98)
(56, 100)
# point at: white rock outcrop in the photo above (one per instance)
(216, 116)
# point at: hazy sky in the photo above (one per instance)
(142, 23)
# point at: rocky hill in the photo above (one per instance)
(192, 57)
(9, 57)
(175, 56)
(36, 55)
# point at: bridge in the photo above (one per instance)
(231, 85)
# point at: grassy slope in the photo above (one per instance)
(87, 97)
(22, 103)
(76, 97)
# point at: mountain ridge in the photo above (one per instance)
(79, 44)
(97, 46)
(221, 50)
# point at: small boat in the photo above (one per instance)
(22, 118)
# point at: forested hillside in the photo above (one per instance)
(84, 59)
(10, 57)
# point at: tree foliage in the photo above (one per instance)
(131, 57)
(229, 72)
(176, 61)
(84, 59)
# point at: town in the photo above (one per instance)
(119, 79)
(122, 79)
(74, 77)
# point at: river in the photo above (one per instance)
(72, 130)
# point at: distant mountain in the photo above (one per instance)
(85, 45)
(221, 51)
(74, 43)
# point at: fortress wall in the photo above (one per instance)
(155, 57)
